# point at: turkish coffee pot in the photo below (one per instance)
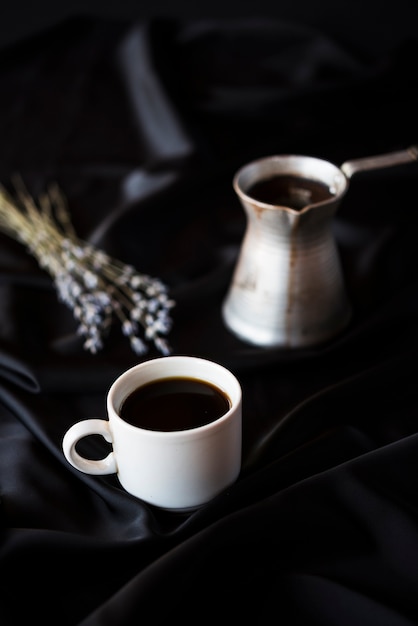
(288, 286)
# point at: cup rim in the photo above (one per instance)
(127, 375)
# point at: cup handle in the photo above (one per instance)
(107, 465)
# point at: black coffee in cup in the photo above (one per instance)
(176, 403)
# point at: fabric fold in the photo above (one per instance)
(160, 129)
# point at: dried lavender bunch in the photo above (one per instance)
(96, 287)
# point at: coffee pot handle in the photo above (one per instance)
(376, 162)
(83, 429)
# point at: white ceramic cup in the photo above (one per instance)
(180, 469)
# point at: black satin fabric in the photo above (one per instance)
(143, 124)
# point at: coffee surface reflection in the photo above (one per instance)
(175, 403)
(290, 191)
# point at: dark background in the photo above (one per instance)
(368, 24)
(322, 526)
